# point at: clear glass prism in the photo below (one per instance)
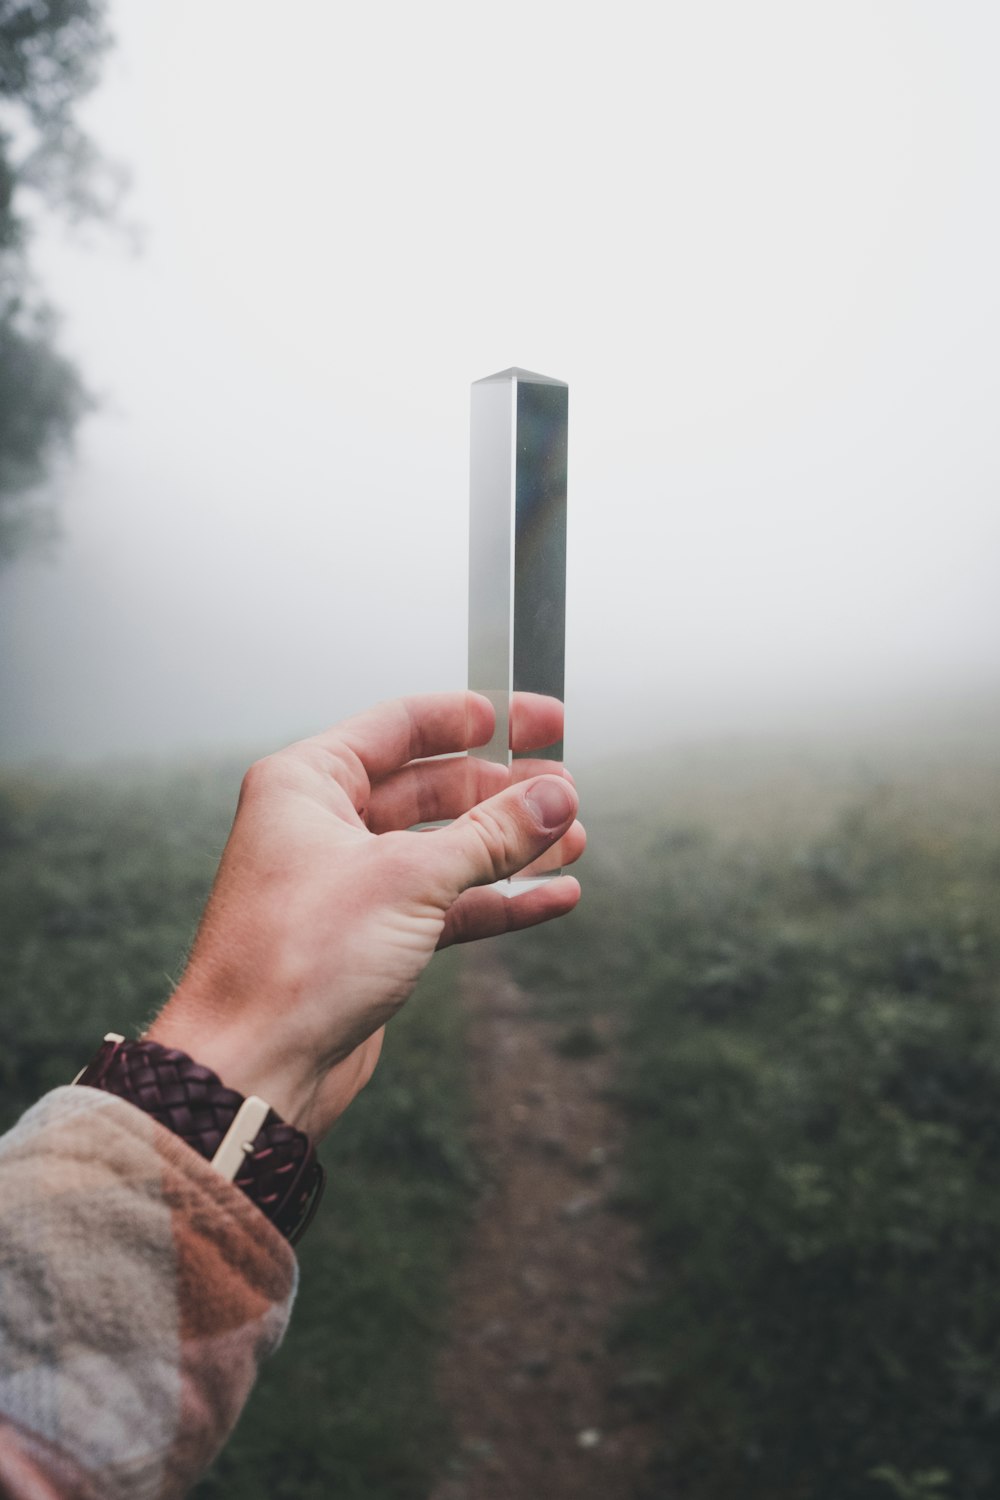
(517, 552)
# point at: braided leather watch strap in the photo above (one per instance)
(278, 1169)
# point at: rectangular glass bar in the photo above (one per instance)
(517, 547)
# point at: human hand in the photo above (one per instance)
(328, 905)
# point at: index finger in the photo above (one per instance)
(403, 729)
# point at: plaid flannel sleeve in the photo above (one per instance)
(139, 1293)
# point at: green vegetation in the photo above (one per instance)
(807, 976)
(101, 884)
(804, 961)
(102, 880)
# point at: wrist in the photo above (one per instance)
(242, 1137)
(247, 1058)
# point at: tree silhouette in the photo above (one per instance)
(50, 56)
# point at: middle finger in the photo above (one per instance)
(431, 790)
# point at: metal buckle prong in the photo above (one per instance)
(238, 1140)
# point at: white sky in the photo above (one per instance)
(759, 241)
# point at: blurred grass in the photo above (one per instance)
(102, 879)
(101, 885)
(804, 953)
(802, 947)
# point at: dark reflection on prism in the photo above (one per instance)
(539, 627)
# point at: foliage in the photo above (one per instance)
(50, 54)
(807, 995)
(813, 1077)
(101, 884)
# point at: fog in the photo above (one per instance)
(758, 241)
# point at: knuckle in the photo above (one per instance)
(257, 777)
(499, 839)
(270, 775)
(346, 768)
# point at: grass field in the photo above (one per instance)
(803, 948)
(805, 951)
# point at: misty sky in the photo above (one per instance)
(760, 243)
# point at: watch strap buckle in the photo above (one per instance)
(238, 1141)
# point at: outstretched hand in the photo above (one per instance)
(329, 903)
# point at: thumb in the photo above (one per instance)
(498, 837)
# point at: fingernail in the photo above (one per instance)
(551, 801)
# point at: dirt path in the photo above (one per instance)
(539, 1407)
